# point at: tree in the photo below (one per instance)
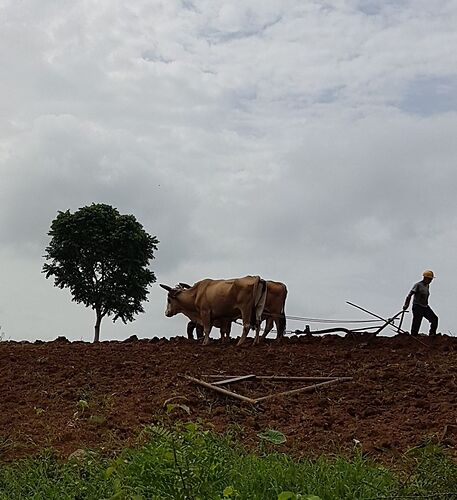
(102, 257)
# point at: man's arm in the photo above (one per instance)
(408, 298)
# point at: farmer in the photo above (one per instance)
(421, 309)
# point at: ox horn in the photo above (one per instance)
(184, 285)
(166, 287)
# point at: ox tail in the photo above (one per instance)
(260, 297)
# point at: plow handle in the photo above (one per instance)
(401, 320)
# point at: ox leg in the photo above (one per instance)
(206, 328)
(225, 331)
(199, 331)
(206, 339)
(228, 330)
(191, 326)
(280, 326)
(190, 330)
(257, 334)
(246, 328)
(268, 327)
(256, 338)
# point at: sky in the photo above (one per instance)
(309, 142)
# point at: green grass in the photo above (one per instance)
(187, 462)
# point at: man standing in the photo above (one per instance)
(421, 309)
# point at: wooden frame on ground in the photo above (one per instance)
(216, 386)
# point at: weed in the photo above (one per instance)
(5, 444)
(97, 420)
(39, 411)
(82, 405)
(184, 461)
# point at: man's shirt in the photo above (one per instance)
(421, 293)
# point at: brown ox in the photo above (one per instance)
(219, 302)
(273, 313)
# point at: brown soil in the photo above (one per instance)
(403, 392)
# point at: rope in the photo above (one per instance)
(322, 320)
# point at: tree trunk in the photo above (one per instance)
(97, 325)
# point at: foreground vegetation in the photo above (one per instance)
(187, 462)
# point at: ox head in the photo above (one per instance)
(173, 306)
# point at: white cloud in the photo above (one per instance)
(308, 142)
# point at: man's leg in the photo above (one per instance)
(418, 314)
(433, 318)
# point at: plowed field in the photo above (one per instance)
(68, 396)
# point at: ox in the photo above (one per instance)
(219, 302)
(273, 313)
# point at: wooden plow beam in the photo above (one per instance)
(376, 329)
(216, 386)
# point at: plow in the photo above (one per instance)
(378, 325)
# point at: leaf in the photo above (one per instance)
(229, 491)
(290, 495)
(192, 427)
(117, 496)
(109, 471)
(272, 436)
(287, 495)
(171, 407)
(82, 404)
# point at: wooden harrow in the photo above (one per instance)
(217, 386)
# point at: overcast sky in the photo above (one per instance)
(311, 142)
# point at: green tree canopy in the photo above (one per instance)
(102, 257)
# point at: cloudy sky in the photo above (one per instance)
(311, 142)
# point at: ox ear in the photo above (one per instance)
(166, 287)
(184, 285)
